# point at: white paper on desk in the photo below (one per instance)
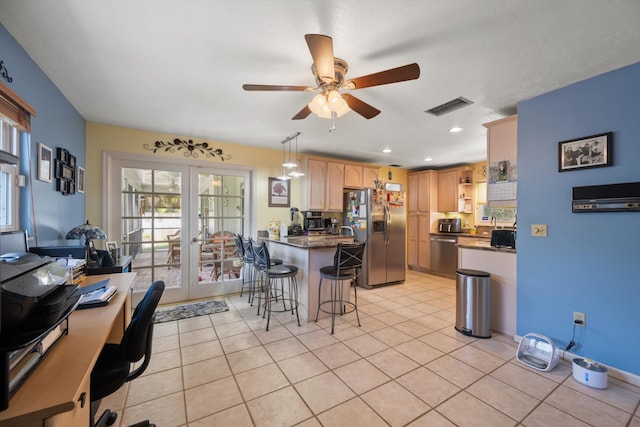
(99, 295)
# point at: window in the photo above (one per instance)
(8, 197)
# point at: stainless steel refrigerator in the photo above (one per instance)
(378, 218)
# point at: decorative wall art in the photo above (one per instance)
(279, 196)
(191, 149)
(80, 180)
(45, 162)
(588, 152)
(65, 168)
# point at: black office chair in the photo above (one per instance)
(114, 364)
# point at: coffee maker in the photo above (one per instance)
(295, 229)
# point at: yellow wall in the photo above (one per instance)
(267, 163)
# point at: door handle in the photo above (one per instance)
(194, 240)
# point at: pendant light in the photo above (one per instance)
(284, 176)
(296, 173)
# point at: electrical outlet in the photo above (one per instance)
(539, 230)
(579, 317)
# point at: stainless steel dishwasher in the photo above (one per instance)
(444, 255)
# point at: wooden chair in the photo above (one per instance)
(174, 248)
(221, 246)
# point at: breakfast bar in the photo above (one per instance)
(309, 253)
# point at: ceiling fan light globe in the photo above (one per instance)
(333, 98)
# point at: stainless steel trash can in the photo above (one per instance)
(473, 303)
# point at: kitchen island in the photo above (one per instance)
(309, 253)
(501, 264)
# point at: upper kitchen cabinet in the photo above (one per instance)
(455, 190)
(422, 195)
(356, 176)
(322, 186)
(502, 148)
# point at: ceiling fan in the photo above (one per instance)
(329, 73)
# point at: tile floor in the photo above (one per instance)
(406, 366)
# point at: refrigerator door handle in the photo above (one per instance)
(387, 225)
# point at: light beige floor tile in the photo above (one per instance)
(153, 386)
(432, 322)
(503, 397)
(372, 309)
(395, 404)
(205, 371)
(426, 308)
(477, 358)
(169, 342)
(285, 348)
(336, 355)
(392, 362)
(194, 323)
(303, 329)
(441, 341)
(390, 318)
(212, 397)
(391, 336)
(116, 400)
(233, 328)
(408, 312)
(239, 342)
(418, 351)
(250, 358)
(524, 380)
(197, 336)
(311, 422)
(164, 411)
(371, 324)
(354, 413)
(446, 315)
(432, 419)
(586, 408)
(546, 416)
(323, 392)
(260, 381)
(453, 333)
(635, 422)
(366, 345)
(558, 374)
(238, 416)
(165, 329)
(162, 361)
(499, 345)
(345, 331)
(317, 339)
(280, 408)
(464, 410)
(413, 328)
(614, 394)
(455, 371)
(226, 317)
(361, 376)
(202, 351)
(275, 333)
(389, 304)
(301, 367)
(428, 386)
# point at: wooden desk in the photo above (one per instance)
(52, 396)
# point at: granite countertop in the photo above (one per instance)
(306, 242)
(486, 246)
(477, 236)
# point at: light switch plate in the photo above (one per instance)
(539, 230)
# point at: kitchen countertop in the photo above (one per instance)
(477, 236)
(306, 242)
(485, 245)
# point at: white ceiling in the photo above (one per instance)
(177, 66)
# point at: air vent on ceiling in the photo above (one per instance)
(450, 106)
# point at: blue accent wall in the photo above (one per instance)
(588, 261)
(56, 124)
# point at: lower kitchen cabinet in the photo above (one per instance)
(418, 241)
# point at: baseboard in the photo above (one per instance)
(618, 374)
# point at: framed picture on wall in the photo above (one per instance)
(80, 179)
(45, 159)
(279, 196)
(588, 152)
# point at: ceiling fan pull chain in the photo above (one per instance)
(333, 121)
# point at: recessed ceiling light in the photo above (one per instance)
(455, 129)
(386, 150)
(428, 159)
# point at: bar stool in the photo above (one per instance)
(270, 275)
(251, 275)
(346, 265)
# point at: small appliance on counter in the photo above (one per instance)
(590, 373)
(538, 352)
(295, 229)
(503, 238)
(313, 222)
(449, 225)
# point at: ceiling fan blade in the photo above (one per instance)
(321, 48)
(274, 87)
(302, 114)
(360, 107)
(394, 75)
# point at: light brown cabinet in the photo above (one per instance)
(322, 186)
(448, 190)
(422, 198)
(356, 176)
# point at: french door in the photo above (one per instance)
(178, 223)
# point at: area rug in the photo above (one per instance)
(193, 309)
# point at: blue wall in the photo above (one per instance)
(57, 124)
(588, 262)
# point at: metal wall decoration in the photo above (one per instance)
(65, 172)
(5, 73)
(191, 149)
